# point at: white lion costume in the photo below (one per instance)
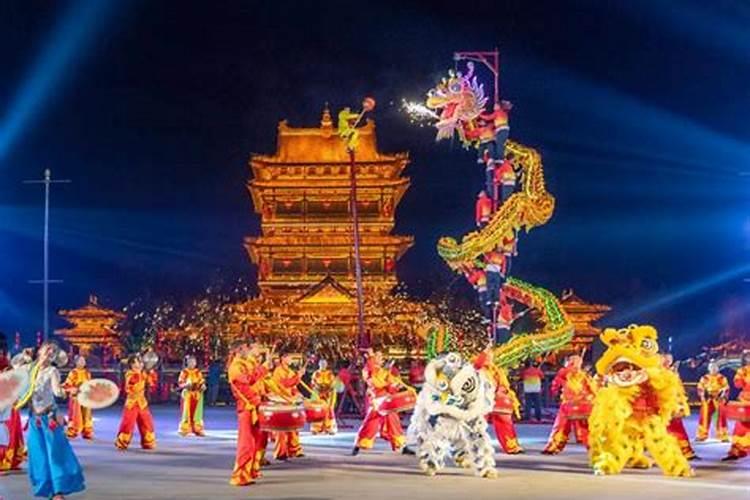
(450, 417)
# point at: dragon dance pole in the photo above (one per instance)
(363, 340)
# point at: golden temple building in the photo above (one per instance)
(305, 255)
(94, 326)
(583, 315)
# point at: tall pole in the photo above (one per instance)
(363, 340)
(45, 281)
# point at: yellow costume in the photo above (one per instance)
(323, 381)
(631, 415)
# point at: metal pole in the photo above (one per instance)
(363, 341)
(47, 175)
(45, 281)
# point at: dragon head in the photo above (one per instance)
(458, 100)
(631, 353)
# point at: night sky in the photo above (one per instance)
(153, 108)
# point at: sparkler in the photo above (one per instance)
(418, 112)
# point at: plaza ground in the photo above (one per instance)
(198, 468)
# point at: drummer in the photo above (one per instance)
(380, 382)
(245, 374)
(502, 421)
(284, 382)
(577, 387)
(80, 420)
(741, 434)
(323, 381)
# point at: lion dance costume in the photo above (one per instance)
(631, 414)
(450, 417)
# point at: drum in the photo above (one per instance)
(398, 402)
(13, 385)
(315, 411)
(281, 417)
(98, 393)
(577, 410)
(503, 405)
(738, 410)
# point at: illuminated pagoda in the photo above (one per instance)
(583, 315)
(93, 327)
(304, 255)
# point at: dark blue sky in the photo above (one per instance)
(639, 109)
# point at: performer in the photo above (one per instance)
(483, 209)
(284, 384)
(193, 385)
(323, 381)
(502, 422)
(741, 434)
(532, 377)
(676, 426)
(504, 182)
(136, 410)
(53, 469)
(80, 420)
(380, 382)
(577, 388)
(245, 375)
(713, 389)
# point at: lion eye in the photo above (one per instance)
(647, 344)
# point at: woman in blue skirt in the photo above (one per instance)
(53, 468)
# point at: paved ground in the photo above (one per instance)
(198, 468)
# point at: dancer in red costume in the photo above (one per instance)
(380, 382)
(713, 390)
(577, 389)
(136, 410)
(506, 402)
(676, 426)
(245, 375)
(741, 434)
(80, 419)
(284, 382)
(12, 448)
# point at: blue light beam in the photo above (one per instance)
(64, 48)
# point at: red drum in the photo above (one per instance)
(738, 410)
(315, 411)
(503, 405)
(398, 402)
(281, 417)
(577, 410)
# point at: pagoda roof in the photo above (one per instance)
(328, 290)
(91, 310)
(297, 145)
(572, 302)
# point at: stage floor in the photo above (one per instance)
(198, 468)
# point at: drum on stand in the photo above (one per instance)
(276, 417)
(398, 402)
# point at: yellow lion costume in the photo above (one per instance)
(631, 413)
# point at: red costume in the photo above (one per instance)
(323, 381)
(80, 420)
(713, 389)
(577, 388)
(506, 401)
(483, 209)
(677, 428)
(284, 383)
(193, 384)
(246, 380)
(136, 411)
(741, 434)
(380, 382)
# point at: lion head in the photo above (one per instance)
(631, 353)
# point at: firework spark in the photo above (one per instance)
(418, 112)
